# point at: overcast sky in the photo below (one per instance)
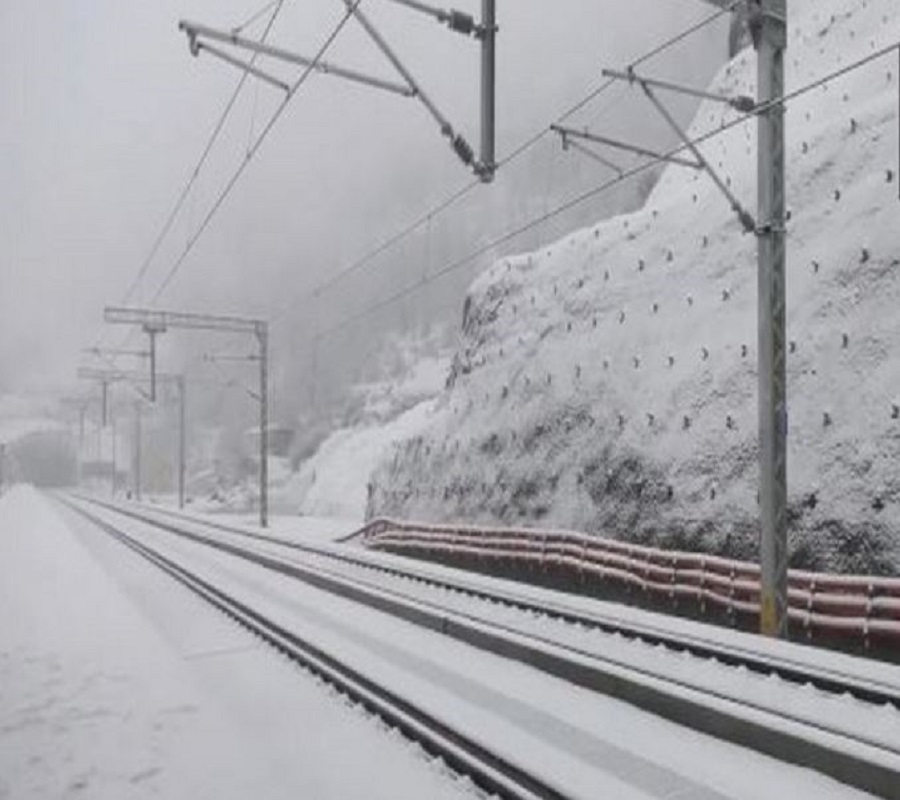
(104, 114)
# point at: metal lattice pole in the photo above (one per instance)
(768, 26)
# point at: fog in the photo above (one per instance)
(105, 114)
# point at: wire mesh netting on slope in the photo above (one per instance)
(608, 382)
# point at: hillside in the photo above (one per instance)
(608, 382)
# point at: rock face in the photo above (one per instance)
(608, 382)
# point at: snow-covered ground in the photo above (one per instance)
(416, 583)
(582, 742)
(608, 381)
(115, 682)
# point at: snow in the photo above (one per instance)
(334, 482)
(583, 742)
(305, 529)
(564, 408)
(818, 708)
(115, 682)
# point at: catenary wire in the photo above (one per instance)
(217, 129)
(601, 188)
(323, 49)
(523, 147)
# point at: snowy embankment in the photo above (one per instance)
(334, 481)
(608, 382)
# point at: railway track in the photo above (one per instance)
(460, 752)
(405, 569)
(581, 667)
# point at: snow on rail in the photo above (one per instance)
(863, 609)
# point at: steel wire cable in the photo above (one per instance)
(427, 217)
(408, 230)
(523, 147)
(217, 129)
(207, 149)
(603, 187)
(308, 70)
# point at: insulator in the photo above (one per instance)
(463, 149)
(461, 22)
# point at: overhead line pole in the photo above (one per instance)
(131, 377)
(262, 335)
(158, 320)
(488, 85)
(136, 454)
(182, 449)
(768, 26)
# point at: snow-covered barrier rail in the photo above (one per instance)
(863, 611)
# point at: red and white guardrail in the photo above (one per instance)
(862, 608)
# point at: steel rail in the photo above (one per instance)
(828, 680)
(461, 753)
(688, 705)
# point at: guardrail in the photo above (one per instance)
(863, 609)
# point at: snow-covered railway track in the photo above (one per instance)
(461, 753)
(414, 580)
(867, 759)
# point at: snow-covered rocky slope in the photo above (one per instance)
(334, 482)
(608, 382)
